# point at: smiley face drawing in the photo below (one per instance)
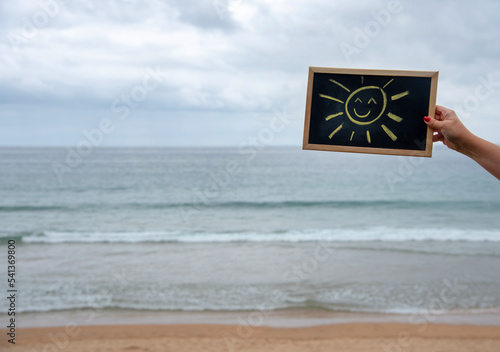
(366, 106)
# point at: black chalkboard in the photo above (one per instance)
(370, 111)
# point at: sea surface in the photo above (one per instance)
(248, 229)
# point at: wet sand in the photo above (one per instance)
(338, 337)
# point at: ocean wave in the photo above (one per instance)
(16, 208)
(259, 307)
(373, 234)
(206, 203)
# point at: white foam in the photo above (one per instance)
(379, 234)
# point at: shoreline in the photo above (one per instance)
(212, 337)
(288, 318)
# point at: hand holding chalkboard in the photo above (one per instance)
(450, 130)
(369, 111)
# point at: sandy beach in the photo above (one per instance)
(338, 337)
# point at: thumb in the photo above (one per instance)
(433, 123)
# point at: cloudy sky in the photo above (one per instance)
(217, 72)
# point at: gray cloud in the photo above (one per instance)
(223, 62)
(205, 14)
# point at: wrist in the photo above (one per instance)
(471, 145)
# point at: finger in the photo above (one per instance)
(444, 113)
(438, 112)
(438, 137)
(441, 112)
(433, 123)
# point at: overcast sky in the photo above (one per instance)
(203, 72)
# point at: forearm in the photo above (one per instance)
(484, 153)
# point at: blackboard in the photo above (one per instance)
(370, 111)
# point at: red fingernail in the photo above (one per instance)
(427, 118)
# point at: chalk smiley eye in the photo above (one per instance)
(358, 100)
(369, 101)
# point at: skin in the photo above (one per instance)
(452, 132)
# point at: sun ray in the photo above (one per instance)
(352, 135)
(340, 85)
(368, 137)
(331, 98)
(400, 95)
(388, 83)
(335, 131)
(329, 117)
(362, 79)
(394, 117)
(389, 133)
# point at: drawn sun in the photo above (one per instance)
(365, 106)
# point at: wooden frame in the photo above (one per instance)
(391, 107)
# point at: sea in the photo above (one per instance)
(172, 233)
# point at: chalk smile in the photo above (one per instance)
(362, 116)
